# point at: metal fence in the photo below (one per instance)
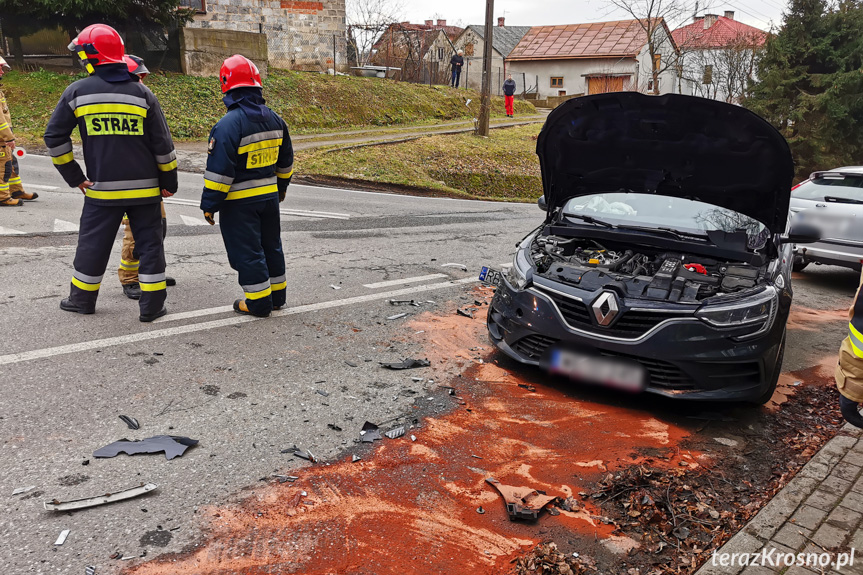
(293, 49)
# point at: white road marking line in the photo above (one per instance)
(64, 226)
(42, 188)
(404, 281)
(203, 326)
(283, 211)
(10, 232)
(190, 221)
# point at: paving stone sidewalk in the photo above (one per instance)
(821, 508)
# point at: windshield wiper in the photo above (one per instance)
(666, 231)
(589, 220)
(839, 200)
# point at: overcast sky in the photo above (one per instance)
(759, 13)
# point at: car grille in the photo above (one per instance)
(631, 324)
(533, 346)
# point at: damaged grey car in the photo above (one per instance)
(664, 261)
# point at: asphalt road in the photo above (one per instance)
(66, 378)
(247, 389)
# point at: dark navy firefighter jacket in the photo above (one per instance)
(128, 149)
(251, 158)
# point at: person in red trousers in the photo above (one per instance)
(509, 95)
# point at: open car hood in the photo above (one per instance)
(670, 145)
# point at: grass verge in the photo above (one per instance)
(309, 103)
(503, 167)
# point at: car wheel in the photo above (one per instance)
(777, 371)
(799, 265)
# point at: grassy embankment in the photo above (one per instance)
(309, 103)
(502, 167)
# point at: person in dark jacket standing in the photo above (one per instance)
(457, 62)
(131, 164)
(249, 167)
(509, 95)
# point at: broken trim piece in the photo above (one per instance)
(99, 500)
(521, 502)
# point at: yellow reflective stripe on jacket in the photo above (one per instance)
(168, 167)
(259, 294)
(124, 194)
(260, 145)
(252, 192)
(4, 125)
(110, 108)
(85, 286)
(64, 159)
(856, 339)
(211, 185)
(285, 176)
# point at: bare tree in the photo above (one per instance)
(653, 16)
(367, 20)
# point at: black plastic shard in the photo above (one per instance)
(407, 364)
(370, 432)
(173, 446)
(131, 422)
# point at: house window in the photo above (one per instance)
(657, 61)
(198, 5)
(557, 82)
(468, 49)
(658, 85)
(708, 74)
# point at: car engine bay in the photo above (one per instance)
(645, 272)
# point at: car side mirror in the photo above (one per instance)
(543, 205)
(801, 234)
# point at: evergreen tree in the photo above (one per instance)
(811, 83)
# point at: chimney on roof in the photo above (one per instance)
(729, 14)
(500, 21)
(697, 18)
(710, 20)
(429, 22)
(441, 23)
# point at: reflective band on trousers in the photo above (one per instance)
(258, 291)
(856, 339)
(152, 282)
(86, 282)
(129, 265)
(279, 283)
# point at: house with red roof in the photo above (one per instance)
(718, 55)
(592, 58)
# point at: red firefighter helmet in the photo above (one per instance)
(136, 65)
(238, 72)
(100, 44)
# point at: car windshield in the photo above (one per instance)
(846, 187)
(679, 214)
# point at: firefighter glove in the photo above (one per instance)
(209, 217)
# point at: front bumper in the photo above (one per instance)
(684, 358)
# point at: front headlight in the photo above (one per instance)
(757, 313)
(517, 274)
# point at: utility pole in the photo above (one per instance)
(485, 101)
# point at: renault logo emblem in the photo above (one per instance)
(605, 308)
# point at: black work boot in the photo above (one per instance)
(132, 291)
(67, 305)
(146, 318)
(169, 281)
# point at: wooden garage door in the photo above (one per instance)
(603, 84)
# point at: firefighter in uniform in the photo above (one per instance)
(11, 191)
(129, 262)
(849, 372)
(131, 165)
(249, 167)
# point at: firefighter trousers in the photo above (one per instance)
(98, 229)
(129, 261)
(10, 178)
(252, 235)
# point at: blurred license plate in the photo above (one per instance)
(628, 376)
(490, 277)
